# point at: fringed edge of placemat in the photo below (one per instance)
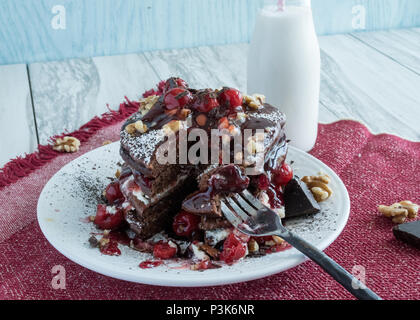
(22, 166)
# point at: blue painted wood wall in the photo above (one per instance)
(107, 27)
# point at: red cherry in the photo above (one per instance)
(206, 102)
(177, 98)
(283, 175)
(107, 220)
(113, 192)
(231, 98)
(162, 250)
(175, 83)
(233, 249)
(185, 224)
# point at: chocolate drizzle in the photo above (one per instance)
(158, 116)
(223, 180)
(257, 123)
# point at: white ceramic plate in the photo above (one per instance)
(71, 196)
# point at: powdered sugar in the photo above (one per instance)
(274, 117)
(142, 147)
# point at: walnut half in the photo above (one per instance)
(66, 144)
(253, 246)
(400, 211)
(174, 126)
(324, 178)
(137, 126)
(319, 186)
(147, 103)
(255, 101)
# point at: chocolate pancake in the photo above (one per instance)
(157, 190)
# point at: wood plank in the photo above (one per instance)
(17, 127)
(68, 94)
(358, 82)
(109, 27)
(203, 67)
(400, 45)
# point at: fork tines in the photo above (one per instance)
(240, 207)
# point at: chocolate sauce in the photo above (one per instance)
(257, 123)
(125, 173)
(199, 202)
(158, 116)
(226, 179)
(276, 156)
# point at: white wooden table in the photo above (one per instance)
(371, 77)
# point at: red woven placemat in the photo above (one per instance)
(375, 169)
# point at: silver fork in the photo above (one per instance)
(251, 217)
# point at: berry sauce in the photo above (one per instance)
(148, 264)
(275, 196)
(110, 249)
(278, 248)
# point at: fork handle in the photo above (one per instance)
(348, 281)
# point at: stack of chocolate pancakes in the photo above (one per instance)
(156, 191)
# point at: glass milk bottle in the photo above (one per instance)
(284, 65)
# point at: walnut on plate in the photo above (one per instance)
(66, 144)
(322, 177)
(400, 211)
(319, 186)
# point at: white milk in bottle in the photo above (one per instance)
(284, 65)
